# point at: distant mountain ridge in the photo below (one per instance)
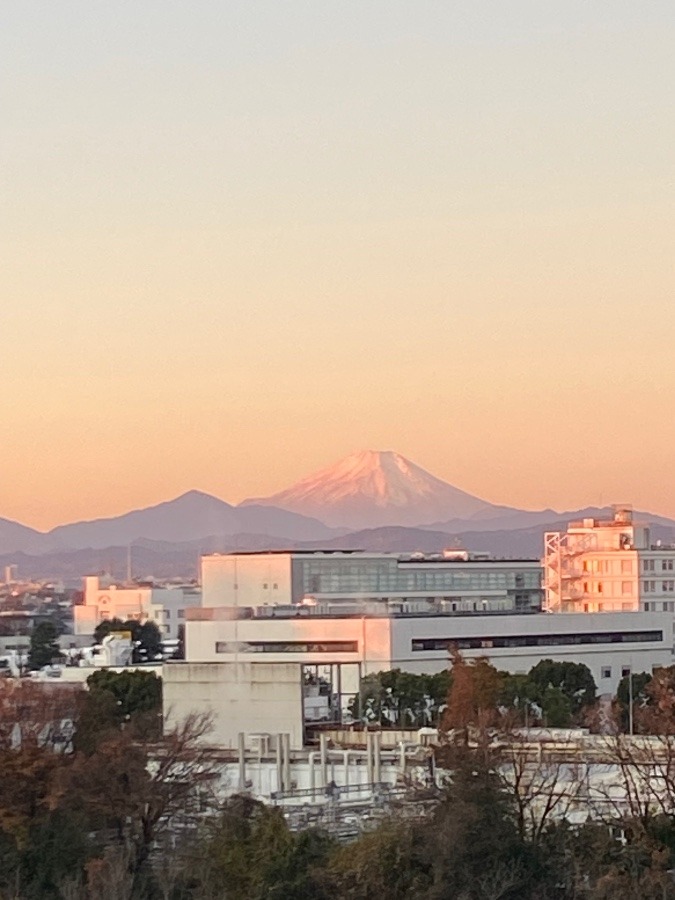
(372, 500)
(17, 537)
(191, 516)
(170, 560)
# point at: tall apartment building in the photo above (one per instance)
(608, 565)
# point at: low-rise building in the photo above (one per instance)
(461, 581)
(103, 600)
(319, 622)
(609, 644)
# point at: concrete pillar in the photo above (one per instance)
(311, 762)
(280, 774)
(323, 752)
(242, 760)
(377, 757)
(286, 744)
(369, 756)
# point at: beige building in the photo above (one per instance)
(104, 600)
(608, 565)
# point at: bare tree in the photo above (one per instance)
(37, 714)
(545, 787)
(500, 880)
(110, 877)
(640, 779)
(138, 791)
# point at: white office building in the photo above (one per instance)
(455, 581)
(105, 600)
(609, 644)
(276, 626)
(610, 565)
(253, 672)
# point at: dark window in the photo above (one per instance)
(290, 647)
(536, 640)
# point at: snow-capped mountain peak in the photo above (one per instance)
(375, 487)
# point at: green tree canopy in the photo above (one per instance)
(563, 690)
(248, 853)
(114, 698)
(134, 691)
(574, 680)
(146, 636)
(44, 646)
(398, 698)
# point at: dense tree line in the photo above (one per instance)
(96, 803)
(556, 694)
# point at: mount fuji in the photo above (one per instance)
(374, 488)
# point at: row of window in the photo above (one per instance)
(650, 587)
(654, 606)
(606, 567)
(288, 647)
(600, 607)
(606, 671)
(598, 587)
(650, 565)
(325, 576)
(536, 640)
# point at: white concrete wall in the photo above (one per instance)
(242, 697)
(372, 637)
(168, 608)
(101, 603)
(384, 643)
(246, 580)
(641, 656)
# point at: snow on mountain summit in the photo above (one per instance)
(372, 488)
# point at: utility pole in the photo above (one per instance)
(630, 701)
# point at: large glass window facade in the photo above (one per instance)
(340, 576)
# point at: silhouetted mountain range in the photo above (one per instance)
(373, 500)
(190, 517)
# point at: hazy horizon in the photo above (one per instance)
(240, 241)
(138, 506)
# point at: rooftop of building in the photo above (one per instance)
(622, 515)
(446, 556)
(214, 614)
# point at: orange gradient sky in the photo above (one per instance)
(239, 241)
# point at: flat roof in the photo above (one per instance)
(291, 552)
(410, 557)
